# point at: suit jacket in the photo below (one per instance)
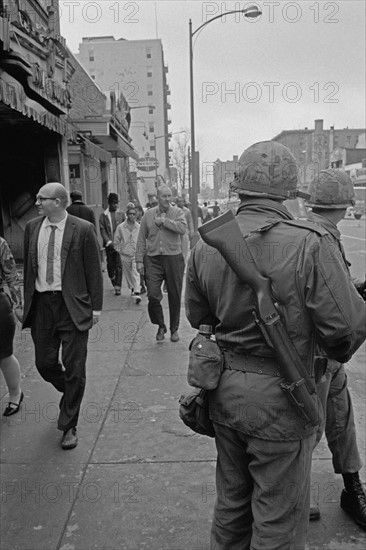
(80, 210)
(81, 273)
(105, 227)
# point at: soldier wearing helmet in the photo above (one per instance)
(331, 193)
(264, 449)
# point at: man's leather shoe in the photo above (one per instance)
(314, 513)
(353, 501)
(174, 336)
(69, 439)
(160, 334)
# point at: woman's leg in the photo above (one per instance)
(11, 370)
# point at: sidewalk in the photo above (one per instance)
(139, 479)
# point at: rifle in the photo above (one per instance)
(299, 387)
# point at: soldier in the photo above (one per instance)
(264, 447)
(331, 193)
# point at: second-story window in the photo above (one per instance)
(148, 53)
(149, 71)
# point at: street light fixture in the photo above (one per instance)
(252, 12)
(169, 134)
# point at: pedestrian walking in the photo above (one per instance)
(125, 241)
(331, 193)
(264, 446)
(63, 295)
(79, 209)
(108, 222)
(9, 364)
(159, 256)
(216, 209)
(186, 238)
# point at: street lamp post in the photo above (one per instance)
(158, 137)
(250, 12)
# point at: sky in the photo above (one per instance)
(299, 61)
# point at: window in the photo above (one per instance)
(93, 76)
(151, 111)
(74, 170)
(91, 55)
(148, 53)
(149, 92)
(152, 148)
(149, 71)
(151, 127)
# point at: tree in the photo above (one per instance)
(180, 159)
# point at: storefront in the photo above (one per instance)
(34, 101)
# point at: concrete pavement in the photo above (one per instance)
(139, 479)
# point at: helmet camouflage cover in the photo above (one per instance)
(268, 169)
(331, 189)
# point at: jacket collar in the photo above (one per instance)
(265, 206)
(66, 242)
(327, 224)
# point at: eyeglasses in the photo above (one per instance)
(41, 199)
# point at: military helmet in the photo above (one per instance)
(331, 189)
(267, 169)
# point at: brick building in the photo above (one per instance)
(313, 148)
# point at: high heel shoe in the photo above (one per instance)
(13, 408)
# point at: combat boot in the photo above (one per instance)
(353, 499)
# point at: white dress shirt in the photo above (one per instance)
(43, 239)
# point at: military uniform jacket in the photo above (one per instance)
(316, 299)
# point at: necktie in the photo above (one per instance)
(50, 256)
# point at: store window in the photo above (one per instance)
(74, 170)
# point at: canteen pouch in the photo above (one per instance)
(205, 363)
(194, 412)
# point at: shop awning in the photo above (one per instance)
(92, 150)
(101, 131)
(10, 96)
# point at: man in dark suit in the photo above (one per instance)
(79, 209)
(108, 222)
(63, 296)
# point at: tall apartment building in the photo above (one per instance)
(136, 69)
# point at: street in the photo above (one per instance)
(139, 479)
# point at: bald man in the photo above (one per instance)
(63, 296)
(159, 256)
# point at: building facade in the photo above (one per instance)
(314, 149)
(136, 69)
(223, 174)
(99, 160)
(34, 102)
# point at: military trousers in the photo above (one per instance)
(262, 492)
(340, 429)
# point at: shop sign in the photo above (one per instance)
(147, 164)
(48, 87)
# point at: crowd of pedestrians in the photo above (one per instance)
(316, 299)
